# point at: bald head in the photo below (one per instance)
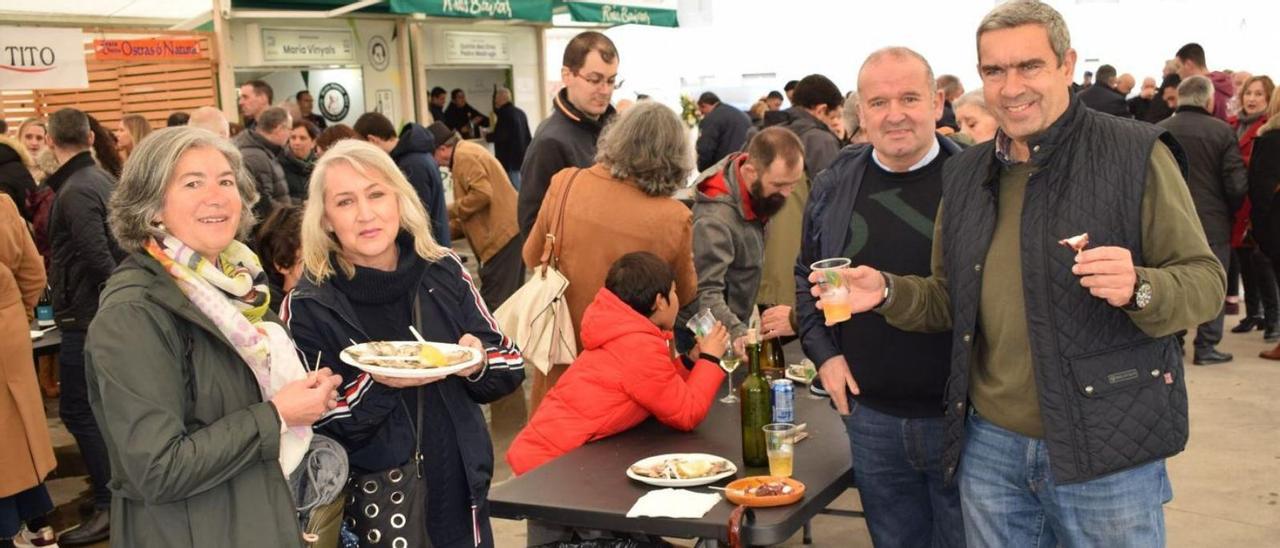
(501, 97)
(211, 119)
(1125, 83)
(899, 54)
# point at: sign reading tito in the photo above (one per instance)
(42, 58)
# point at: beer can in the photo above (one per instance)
(784, 401)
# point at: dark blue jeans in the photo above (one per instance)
(73, 408)
(899, 477)
(1010, 498)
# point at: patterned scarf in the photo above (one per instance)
(233, 294)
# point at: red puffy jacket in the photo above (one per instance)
(624, 374)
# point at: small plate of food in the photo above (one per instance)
(410, 359)
(764, 491)
(681, 469)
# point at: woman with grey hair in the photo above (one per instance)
(202, 400)
(853, 134)
(974, 118)
(619, 205)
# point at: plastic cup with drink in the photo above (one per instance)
(780, 439)
(836, 307)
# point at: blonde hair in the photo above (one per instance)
(137, 126)
(1273, 115)
(369, 161)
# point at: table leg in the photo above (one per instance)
(808, 533)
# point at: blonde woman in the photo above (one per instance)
(132, 129)
(372, 269)
(202, 402)
(1264, 182)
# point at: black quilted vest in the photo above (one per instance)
(1104, 397)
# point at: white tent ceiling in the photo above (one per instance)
(143, 9)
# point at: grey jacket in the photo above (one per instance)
(260, 161)
(1216, 175)
(728, 250)
(193, 447)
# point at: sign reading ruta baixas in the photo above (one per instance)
(308, 45)
(475, 47)
(527, 10)
(42, 58)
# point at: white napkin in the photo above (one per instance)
(673, 503)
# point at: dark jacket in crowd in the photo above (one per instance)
(437, 113)
(260, 161)
(15, 178)
(1106, 100)
(415, 156)
(510, 136)
(84, 253)
(721, 132)
(567, 138)
(373, 420)
(948, 118)
(194, 449)
(458, 118)
(1138, 107)
(316, 119)
(1216, 176)
(826, 234)
(820, 143)
(1264, 181)
(297, 173)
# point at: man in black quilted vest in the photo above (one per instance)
(1066, 390)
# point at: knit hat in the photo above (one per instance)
(442, 134)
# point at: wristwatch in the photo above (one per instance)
(1141, 295)
(888, 290)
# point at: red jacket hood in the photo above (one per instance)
(607, 318)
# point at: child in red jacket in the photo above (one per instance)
(625, 372)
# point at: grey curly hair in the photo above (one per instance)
(139, 195)
(647, 145)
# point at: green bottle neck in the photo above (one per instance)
(753, 354)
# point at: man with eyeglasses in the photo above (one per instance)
(567, 138)
(1067, 388)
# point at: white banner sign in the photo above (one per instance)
(475, 47)
(42, 58)
(310, 46)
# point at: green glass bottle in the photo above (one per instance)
(756, 408)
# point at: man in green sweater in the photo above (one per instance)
(1066, 389)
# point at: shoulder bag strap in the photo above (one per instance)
(555, 233)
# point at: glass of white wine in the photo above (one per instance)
(728, 363)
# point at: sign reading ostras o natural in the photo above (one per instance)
(309, 45)
(152, 49)
(42, 58)
(476, 47)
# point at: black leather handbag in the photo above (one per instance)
(388, 508)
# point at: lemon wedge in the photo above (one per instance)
(431, 356)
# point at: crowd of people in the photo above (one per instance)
(206, 276)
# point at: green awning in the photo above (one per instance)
(525, 10)
(658, 13)
(661, 13)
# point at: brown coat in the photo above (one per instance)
(604, 219)
(484, 202)
(26, 454)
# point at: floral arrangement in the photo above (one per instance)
(689, 110)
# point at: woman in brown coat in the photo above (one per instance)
(26, 454)
(619, 205)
